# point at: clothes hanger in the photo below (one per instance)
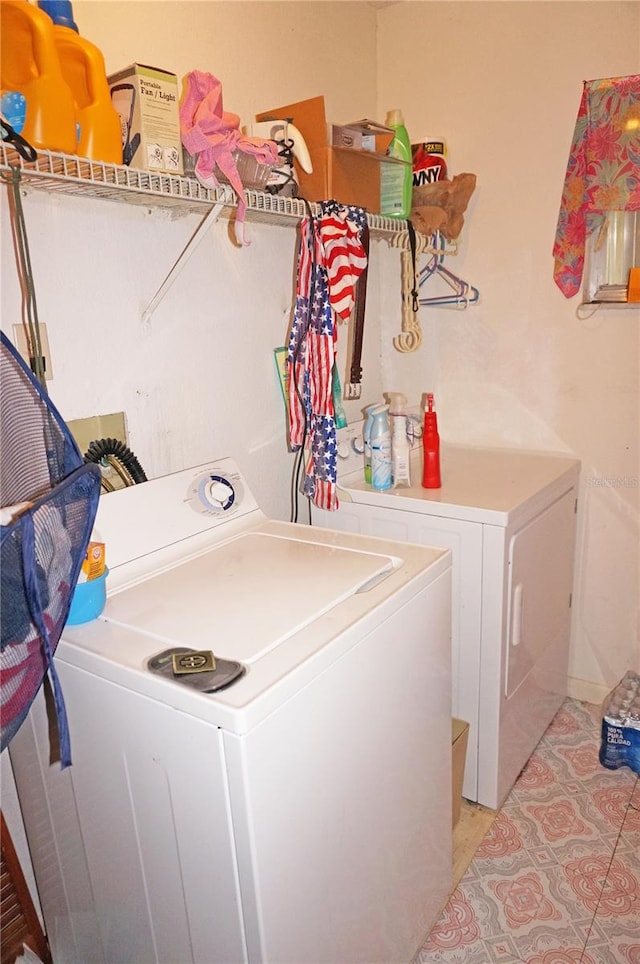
(463, 295)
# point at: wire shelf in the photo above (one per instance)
(82, 177)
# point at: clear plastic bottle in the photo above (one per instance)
(381, 449)
(400, 449)
(396, 180)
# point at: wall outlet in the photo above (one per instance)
(21, 343)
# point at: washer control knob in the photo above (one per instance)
(343, 450)
(214, 494)
(357, 444)
(220, 492)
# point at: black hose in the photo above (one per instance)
(104, 447)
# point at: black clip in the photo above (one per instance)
(415, 303)
(23, 147)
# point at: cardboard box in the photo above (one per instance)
(362, 135)
(348, 175)
(459, 740)
(146, 99)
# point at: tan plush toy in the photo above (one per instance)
(440, 206)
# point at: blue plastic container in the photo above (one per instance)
(88, 600)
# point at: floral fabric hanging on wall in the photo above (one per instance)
(603, 173)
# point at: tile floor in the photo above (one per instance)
(556, 880)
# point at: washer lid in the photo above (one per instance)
(244, 597)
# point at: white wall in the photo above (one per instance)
(265, 53)
(501, 82)
(199, 380)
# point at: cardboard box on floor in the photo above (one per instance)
(350, 175)
(459, 740)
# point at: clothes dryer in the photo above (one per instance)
(303, 812)
(508, 517)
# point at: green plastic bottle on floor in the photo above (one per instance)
(396, 180)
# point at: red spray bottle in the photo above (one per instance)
(431, 446)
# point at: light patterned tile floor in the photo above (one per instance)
(556, 880)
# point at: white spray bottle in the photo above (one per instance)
(400, 449)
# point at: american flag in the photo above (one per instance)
(312, 343)
(345, 259)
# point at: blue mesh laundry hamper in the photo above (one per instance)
(42, 548)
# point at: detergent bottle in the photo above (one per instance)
(400, 450)
(30, 65)
(83, 68)
(381, 449)
(396, 180)
(369, 410)
(431, 447)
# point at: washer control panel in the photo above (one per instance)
(213, 492)
(350, 441)
(163, 514)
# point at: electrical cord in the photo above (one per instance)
(25, 275)
(285, 151)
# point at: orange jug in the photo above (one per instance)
(82, 63)
(29, 64)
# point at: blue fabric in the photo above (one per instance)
(42, 549)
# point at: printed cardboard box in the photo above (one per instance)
(362, 135)
(146, 99)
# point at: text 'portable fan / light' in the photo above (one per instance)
(49, 500)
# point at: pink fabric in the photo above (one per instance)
(603, 173)
(213, 134)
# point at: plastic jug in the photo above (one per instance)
(396, 180)
(83, 68)
(30, 65)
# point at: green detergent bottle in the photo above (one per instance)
(396, 180)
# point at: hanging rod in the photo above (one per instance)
(82, 177)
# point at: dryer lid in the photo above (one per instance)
(243, 598)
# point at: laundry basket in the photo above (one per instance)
(44, 544)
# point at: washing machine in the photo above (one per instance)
(291, 803)
(509, 518)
